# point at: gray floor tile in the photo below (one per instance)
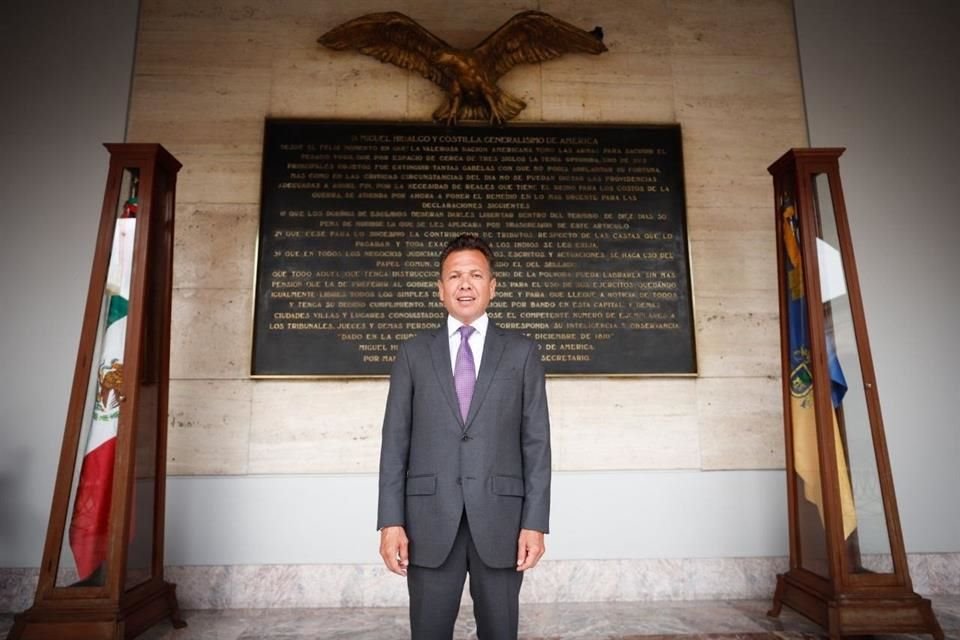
(701, 620)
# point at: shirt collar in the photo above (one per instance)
(480, 324)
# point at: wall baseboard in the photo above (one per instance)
(367, 585)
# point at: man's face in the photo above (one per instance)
(466, 284)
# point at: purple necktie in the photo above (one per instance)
(464, 373)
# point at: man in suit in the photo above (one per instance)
(465, 458)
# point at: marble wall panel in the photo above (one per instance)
(752, 27)
(366, 89)
(734, 262)
(561, 581)
(714, 157)
(210, 334)
(18, 586)
(323, 15)
(738, 334)
(304, 85)
(230, 11)
(316, 427)
(311, 81)
(215, 105)
(208, 74)
(215, 246)
(209, 427)
(738, 191)
(705, 223)
(741, 423)
(739, 114)
(736, 305)
(719, 175)
(644, 424)
(716, 173)
(614, 87)
(744, 88)
(196, 36)
(639, 26)
(467, 23)
(935, 572)
(717, 578)
(201, 88)
(607, 581)
(219, 173)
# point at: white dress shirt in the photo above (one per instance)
(476, 339)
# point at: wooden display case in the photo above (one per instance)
(102, 571)
(848, 568)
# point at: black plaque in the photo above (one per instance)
(588, 225)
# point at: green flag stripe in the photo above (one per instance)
(117, 310)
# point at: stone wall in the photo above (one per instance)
(206, 76)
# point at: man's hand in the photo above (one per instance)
(393, 549)
(530, 549)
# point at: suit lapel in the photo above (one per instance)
(440, 354)
(492, 350)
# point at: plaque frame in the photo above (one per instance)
(687, 262)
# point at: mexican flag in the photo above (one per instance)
(89, 526)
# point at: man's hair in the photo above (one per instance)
(464, 242)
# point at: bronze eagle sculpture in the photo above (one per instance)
(469, 76)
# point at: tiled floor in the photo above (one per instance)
(706, 620)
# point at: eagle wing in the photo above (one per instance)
(391, 37)
(533, 36)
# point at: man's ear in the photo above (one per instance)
(440, 289)
(493, 286)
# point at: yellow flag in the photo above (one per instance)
(802, 411)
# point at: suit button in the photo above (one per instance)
(466, 437)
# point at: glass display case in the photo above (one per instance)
(102, 571)
(848, 568)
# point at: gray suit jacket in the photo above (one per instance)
(495, 464)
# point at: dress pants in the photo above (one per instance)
(435, 594)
